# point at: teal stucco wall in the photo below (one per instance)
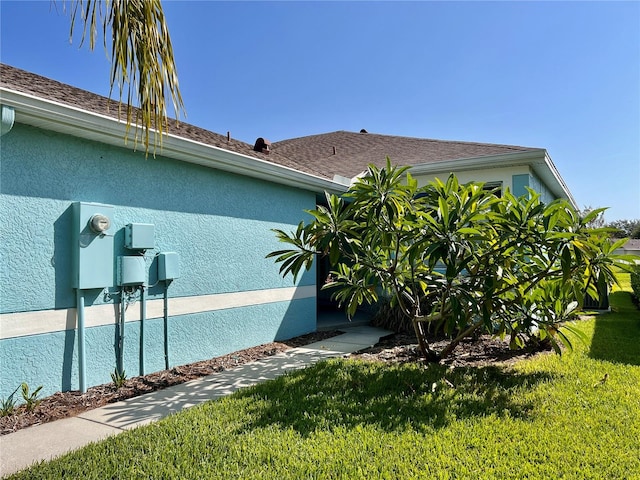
(520, 182)
(219, 223)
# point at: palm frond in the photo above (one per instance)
(142, 62)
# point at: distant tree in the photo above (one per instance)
(626, 228)
(597, 221)
(141, 58)
(455, 258)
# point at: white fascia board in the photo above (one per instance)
(537, 159)
(476, 163)
(50, 115)
(551, 177)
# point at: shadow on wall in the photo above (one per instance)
(301, 315)
(67, 361)
(67, 168)
(65, 295)
(62, 259)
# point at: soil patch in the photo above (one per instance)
(485, 350)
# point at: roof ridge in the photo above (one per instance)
(406, 137)
(463, 142)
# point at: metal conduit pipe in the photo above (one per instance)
(82, 368)
(166, 325)
(143, 317)
(120, 359)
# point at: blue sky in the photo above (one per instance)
(564, 76)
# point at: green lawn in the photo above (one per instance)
(549, 417)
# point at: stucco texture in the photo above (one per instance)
(219, 223)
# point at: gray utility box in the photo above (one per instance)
(168, 266)
(139, 236)
(131, 271)
(92, 245)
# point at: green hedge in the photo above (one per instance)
(635, 282)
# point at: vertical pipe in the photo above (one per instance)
(120, 359)
(166, 326)
(82, 371)
(143, 316)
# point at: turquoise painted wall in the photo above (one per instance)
(520, 182)
(51, 359)
(545, 194)
(219, 223)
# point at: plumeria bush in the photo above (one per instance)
(455, 258)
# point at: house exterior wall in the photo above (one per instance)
(228, 295)
(531, 180)
(505, 175)
(516, 179)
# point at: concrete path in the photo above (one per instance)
(43, 442)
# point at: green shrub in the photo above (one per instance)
(8, 405)
(477, 262)
(119, 378)
(31, 400)
(635, 283)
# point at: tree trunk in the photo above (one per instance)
(428, 354)
(431, 355)
(446, 351)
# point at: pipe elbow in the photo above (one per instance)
(7, 119)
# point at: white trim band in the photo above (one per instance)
(48, 321)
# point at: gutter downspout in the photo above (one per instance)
(7, 119)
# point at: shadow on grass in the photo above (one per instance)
(616, 337)
(340, 393)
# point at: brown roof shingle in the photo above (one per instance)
(26, 82)
(631, 244)
(348, 153)
(343, 153)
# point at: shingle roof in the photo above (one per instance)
(348, 153)
(632, 244)
(343, 153)
(26, 82)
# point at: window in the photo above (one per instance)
(494, 187)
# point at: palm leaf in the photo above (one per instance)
(141, 58)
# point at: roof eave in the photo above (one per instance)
(552, 177)
(537, 159)
(66, 119)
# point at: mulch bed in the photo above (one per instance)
(482, 351)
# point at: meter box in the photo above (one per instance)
(131, 270)
(168, 266)
(92, 245)
(138, 236)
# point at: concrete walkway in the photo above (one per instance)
(43, 442)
